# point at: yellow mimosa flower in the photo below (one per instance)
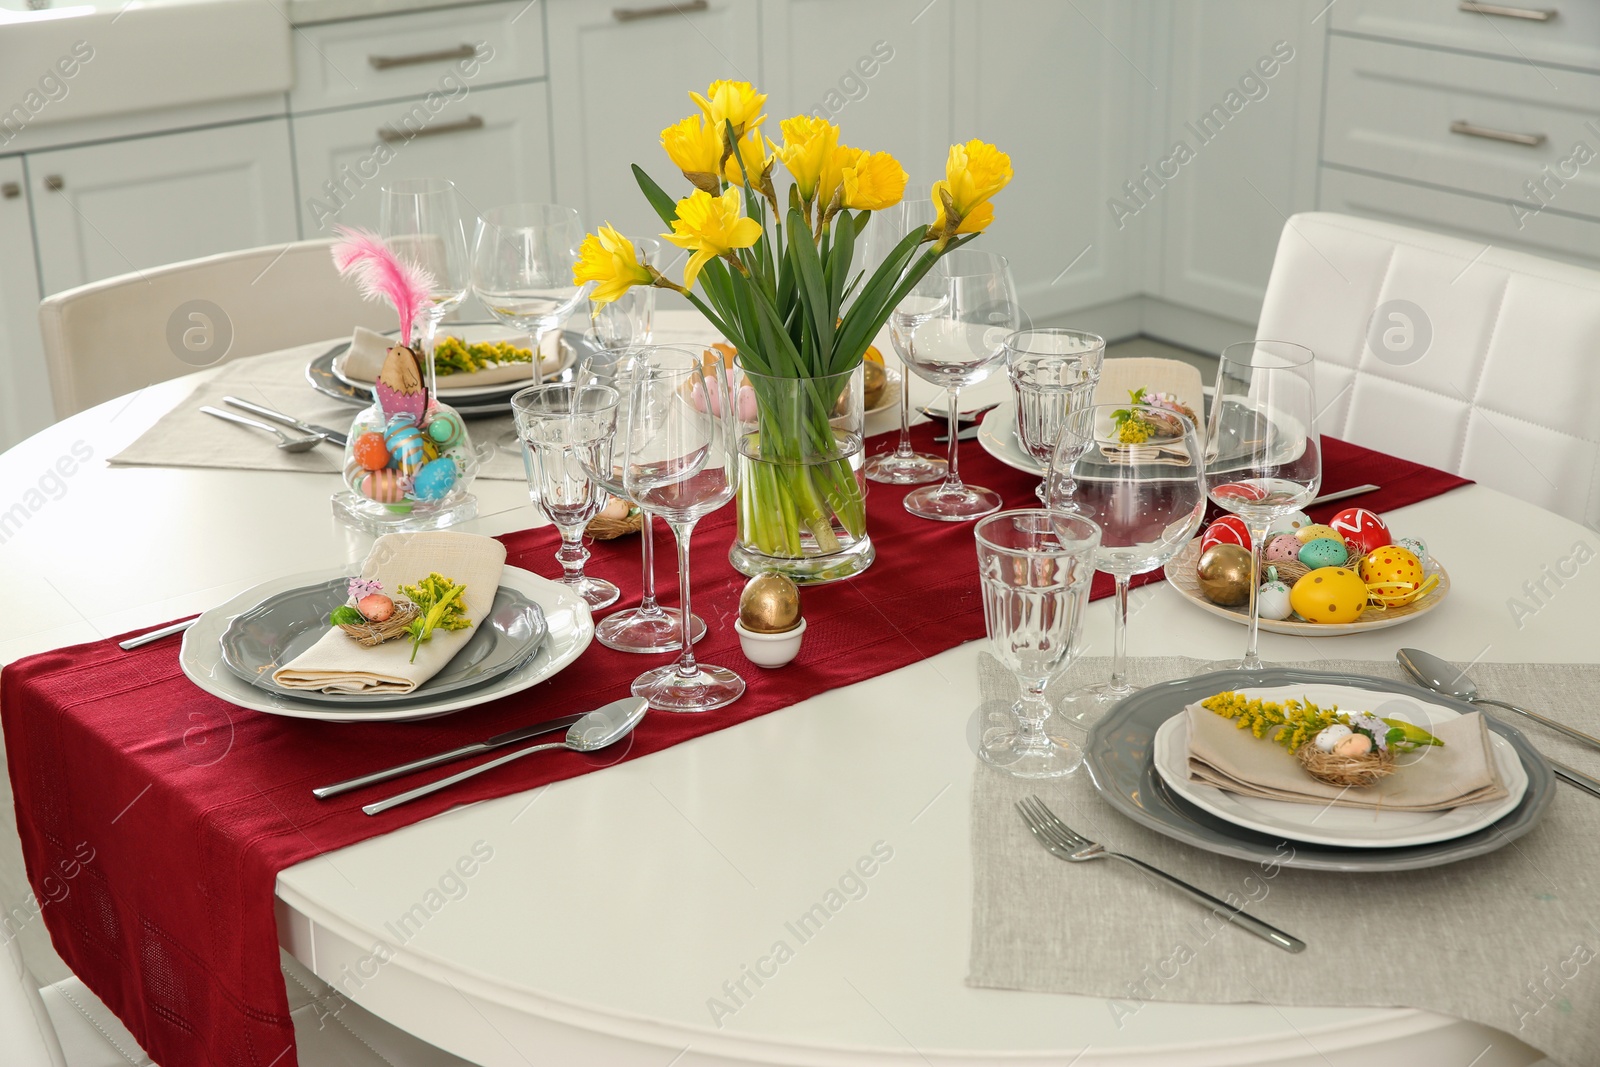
(693, 146)
(735, 102)
(609, 260)
(973, 173)
(710, 226)
(755, 158)
(808, 144)
(875, 181)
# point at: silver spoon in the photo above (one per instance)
(1441, 676)
(594, 731)
(285, 442)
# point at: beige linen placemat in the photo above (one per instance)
(1510, 940)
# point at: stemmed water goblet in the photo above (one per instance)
(1263, 455)
(551, 420)
(648, 627)
(680, 450)
(951, 330)
(1148, 500)
(905, 465)
(1035, 567)
(421, 220)
(1053, 373)
(522, 259)
(628, 321)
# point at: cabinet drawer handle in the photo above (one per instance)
(1532, 140)
(55, 183)
(390, 135)
(634, 14)
(10, 190)
(1532, 14)
(466, 51)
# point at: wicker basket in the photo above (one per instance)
(371, 634)
(1354, 772)
(608, 528)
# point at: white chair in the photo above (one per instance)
(112, 337)
(1447, 352)
(65, 1025)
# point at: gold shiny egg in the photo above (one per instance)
(770, 604)
(1225, 574)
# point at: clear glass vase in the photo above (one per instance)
(802, 491)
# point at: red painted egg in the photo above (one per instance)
(370, 451)
(1242, 491)
(1228, 530)
(1361, 529)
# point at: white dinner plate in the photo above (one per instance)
(571, 630)
(891, 392)
(997, 433)
(1343, 827)
(471, 333)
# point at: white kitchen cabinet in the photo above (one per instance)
(24, 384)
(493, 143)
(1235, 151)
(107, 209)
(1051, 84)
(882, 71)
(619, 74)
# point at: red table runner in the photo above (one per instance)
(175, 811)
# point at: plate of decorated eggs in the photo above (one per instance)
(1349, 575)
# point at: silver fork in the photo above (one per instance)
(1064, 843)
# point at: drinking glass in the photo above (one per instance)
(522, 262)
(627, 321)
(680, 450)
(1053, 372)
(551, 419)
(648, 627)
(1148, 500)
(1263, 455)
(905, 465)
(1035, 567)
(421, 220)
(952, 329)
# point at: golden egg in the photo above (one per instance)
(1225, 574)
(770, 604)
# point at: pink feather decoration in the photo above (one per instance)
(382, 275)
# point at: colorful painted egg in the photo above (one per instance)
(1291, 523)
(406, 445)
(384, 486)
(1415, 545)
(1393, 575)
(1282, 549)
(370, 451)
(434, 480)
(1316, 530)
(1228, 530)
(1324, 552)
(1272, 600)
(1362, 529)
(445, 429)
(1329, 594)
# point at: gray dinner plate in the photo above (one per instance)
(281, 627)
(1120, 758)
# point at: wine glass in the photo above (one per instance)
(550, 421)
(627, 321)
(1053, 372)
(1148, 500)
(421, 220)
(1035, 567)
(648, 627)
(522, 262)
(952, 329)
(905, 465)
(679, 450)
(1263, 455)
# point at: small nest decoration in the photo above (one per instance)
(1292, 570)
(1354, 772)
(609, 528)
(372, 634)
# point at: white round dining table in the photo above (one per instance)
(606, 916)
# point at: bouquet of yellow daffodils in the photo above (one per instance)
(777, 278)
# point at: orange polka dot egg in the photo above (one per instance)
(1394, 576)
(1329, 594)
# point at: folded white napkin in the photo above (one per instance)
(364, 362)
(1428, 779)
(337, 664)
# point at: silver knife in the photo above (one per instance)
(331, 436)
(511, 737)
(1343, 494)
(966, 433)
